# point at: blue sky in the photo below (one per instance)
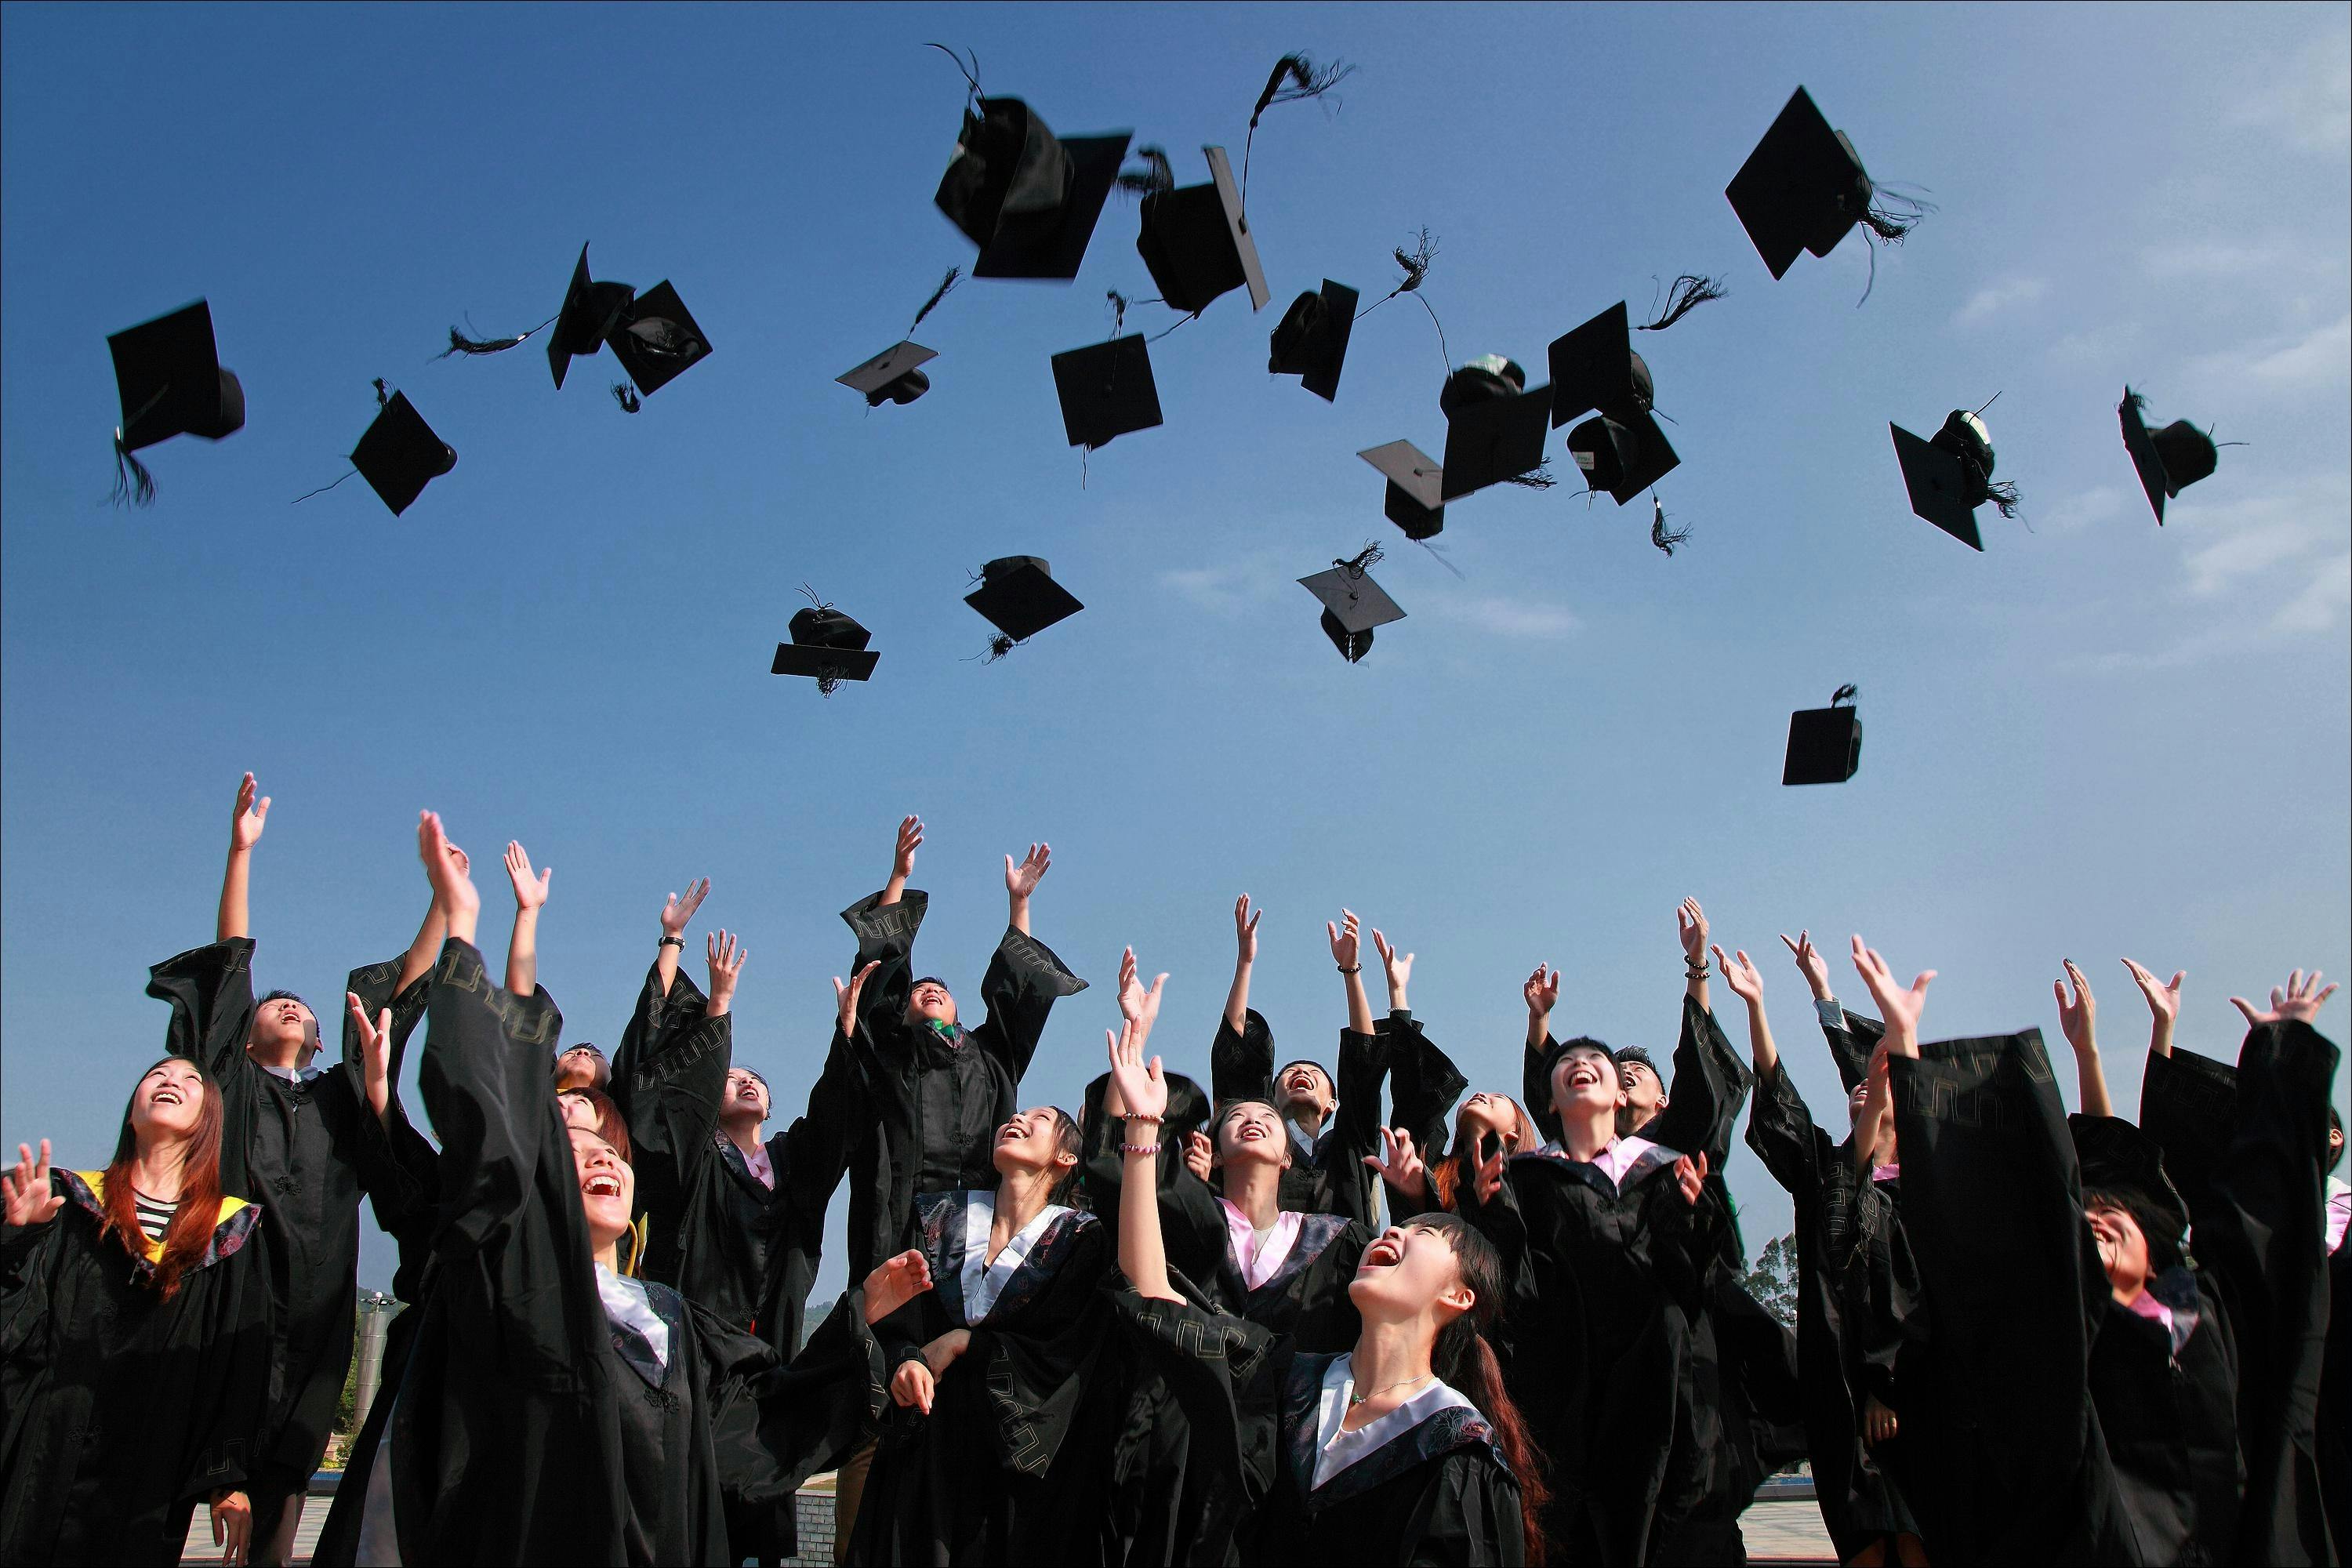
(2099, 737)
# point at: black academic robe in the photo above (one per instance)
(120, 1410)
(2001, 1441)
(1333, 1179)
(1605, 1281)
(305, 1152)
(2246, 1149)
(520, 1430)
(1856, 1290)
(2335, 1452)
(1424, 1084)
(2167, 1408)
(1439, 1493)
(1011, 1463)
(937, 1098)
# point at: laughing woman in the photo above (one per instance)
(134, 1339)
(1404, 1449)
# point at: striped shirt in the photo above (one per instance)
(154, 1218)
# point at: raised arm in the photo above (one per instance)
(2163, 1006)
(677, 912)
(902, 860)
(886, 924)
(523, 945)
(1347, 954)
(1143, 1090)
(1739, 974)
(1245, 955)
(1542, 992)
(1022, 880)
(236, 919)
(1690, 926)
(2076, 1021)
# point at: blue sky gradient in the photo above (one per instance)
(2098, 737)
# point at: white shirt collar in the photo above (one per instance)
(1336, 1449)
(291, 1074)
(982, 1280)
(625, 1304)
(1255, 1260)
(1306, 1143)
(2338, 1212)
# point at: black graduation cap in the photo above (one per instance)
(2115, 1155)
(1803, 187)
(1352, 603)
(1416, 496)
(2169, 461)
(890, 376)
(1951, 475)
(1594, 367)
(1027, 198)
(1107, 390)
(1195, 239)
(399, 455)
(826, 646)
(1018, 596)
(1494, 431)
(1311, 340)
(657, 341)
(169, 376)
(591, 311)
(1622, 457)
(1824, 743)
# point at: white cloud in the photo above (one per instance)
(2323, 602)
(2216, 258)
(1998, 297)
(1223, 590)
(1518, 618)
(2305, 99)
(2096, 504)
(2289, 362)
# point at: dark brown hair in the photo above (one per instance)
(191, 1230)
(1460, 1163)
(610, 1125)
(1464, 1359)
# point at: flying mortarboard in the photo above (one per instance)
(1494, 431)
(169, 376)
(1352, 603)
(1018, 596)
(1950, 476)
(1622, 457)
(1195, 241)
(1416, 495)
(400, 454)
(1824, 743)
(2169, 461)
(1594, 367)
(589, 313)
(1803, 187)
(1029, 199)
(891, 376)
(1312, 340)
(657, 341)
(827, 647)
(1106, 390)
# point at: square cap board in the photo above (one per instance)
(1355, 601)
(1824, 746)
(886, 367)
(835, 663)
(1491, 441)
(169, 376)
(1019, 597)
(1106, 390)
(399, 454)
(1937, 485)
(1195, 241)
(1802, 189)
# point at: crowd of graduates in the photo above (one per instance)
(1365, 1314)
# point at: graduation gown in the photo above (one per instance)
(2246, 1149)
(1857, 1290)
(1333, 1179)
(1424, 1084)
(937, 1099)
(1437, 1492)
(1010, 1462)
(1605, 1281)
(525, 1427)
(305, 1152)
(118, 1410)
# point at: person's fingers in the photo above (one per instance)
(2242, 1005)
(2324, 994)
(2173, 986)
(1332, 930)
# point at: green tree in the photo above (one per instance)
(1773, 1281)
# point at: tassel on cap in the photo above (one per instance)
(955, 274)
(1690, 292)
(460, 344)
(626, 397)
(1665, 538)
(1294, 77)
(1156, 179)
(133, 485)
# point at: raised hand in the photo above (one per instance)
(1200, 1154)
(910, 838)
(245, 825)
(1398, 964)
(844, 999)
(725, 955)
(31, 1199)
(911, 1385)
(376, 1052)
(1542, 991)
(2298, 1001)
(1810, 963)
(1130, 989)
(1741, 976)
(897, 1281)
(1142, 1086)
(529, 891)
(1899, 1006)
(453, 886)
(1347, 943)
(677, 911)
(1022, 880)
(2163, 1005)
(1245, 929)
(2077, 1017)
(1690, 925)
(1400, 1164)
(1690, 1175)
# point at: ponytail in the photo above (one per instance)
(1466, 1360)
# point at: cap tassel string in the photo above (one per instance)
(460, 344)
(1539, 477)
(955, 275)
(1665, 538)
(626, 397)
(1157, 178)
(1294, 77)
(133, 485)
(382, 402)
(1688, 293)
(970, 73)
(1356, 566)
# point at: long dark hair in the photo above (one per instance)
(1068, 1139)
(1460, 1163)
(191, 1230)
(1464, 1358)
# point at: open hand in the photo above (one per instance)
(1200, 1154)
(2163, 996)
(1398, 964)
(911, 1385)
(529, 891)
(1245, 929)
(895, 1282)
(910, 838)
(1022, 880)
(1400, 1164)
(1542, 991)
(1900, 1007)
(448, 871)
(844, 998)
(1690, 925)
(232, 1514)
(31, 1197)
(1741, 976)
(2077, 1019)
(1345, 942)
(1131, 995)
(676, 911)
(1142, 1086)
(725, 954)
(245, 825)
(1810, 963)
(2298, 1001)
(376, 1052)
(1690, 1175)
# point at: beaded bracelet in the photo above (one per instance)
(1138, 1148)
(1140, 1116)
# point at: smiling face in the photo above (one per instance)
(1645, 1096)
(1407, 1270)
(1484, 1114)
(607, 1187)
(2123, 1248)
(1251, 1130)
(168, 1103)
(581, 1067)
(1302, 1087)
(747, 1097)
(928, 1002)
(284, 1030)
(1035, 1140)
(1584, 1080)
